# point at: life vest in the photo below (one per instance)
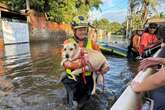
(89, 46)
(136, 42)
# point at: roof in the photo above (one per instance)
(157, 20)
(4, 7)
(7, 12)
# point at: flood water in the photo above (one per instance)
(29, 73)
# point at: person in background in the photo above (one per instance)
(155, 83)
(136, 40)
(148, 38)
(135, 43)
(78, 91)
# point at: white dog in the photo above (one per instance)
(95, 61)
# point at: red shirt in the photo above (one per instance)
(147, 39)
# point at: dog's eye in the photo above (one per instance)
(71, 49)
(64, 49)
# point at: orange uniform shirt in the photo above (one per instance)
(136, 42)
(147, 39)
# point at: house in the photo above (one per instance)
(157, 20)
(13, 26)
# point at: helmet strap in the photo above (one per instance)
(79, 38)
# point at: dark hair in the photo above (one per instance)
(161, 33)
(151, 25)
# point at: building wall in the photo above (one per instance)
(43, 30)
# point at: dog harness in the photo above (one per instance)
(89, 46)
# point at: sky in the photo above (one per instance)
(116, 10)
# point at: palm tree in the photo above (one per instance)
(133, 5)
(146, 6)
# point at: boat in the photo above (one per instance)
(123, 52)
(129, 100)
(147, 52)
(113, 49)
(152, 49)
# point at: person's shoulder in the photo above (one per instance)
(92, 40)
(94, 43)
(136, 36)
(145, 33)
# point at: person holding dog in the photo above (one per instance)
(78, 91)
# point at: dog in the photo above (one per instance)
(95, 62)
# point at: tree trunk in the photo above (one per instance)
(145, 14)
(27, 5)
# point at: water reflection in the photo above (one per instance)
(1, 60)
(33, 70)
(118, 76)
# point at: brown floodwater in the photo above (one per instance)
(28, 75)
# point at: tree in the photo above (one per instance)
(162, 15)
(103, 24)
(137, 22)
(115, 27)
(145, 8)
(57, 10)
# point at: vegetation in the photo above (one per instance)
(105, 24)
(159, 15)
(140, 11)
(162, 15)
(57, 10)
(65, 10)
(116, 28)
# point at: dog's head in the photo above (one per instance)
(70, 50)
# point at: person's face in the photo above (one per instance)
(152, 30)
(140, 32)
(81, 33)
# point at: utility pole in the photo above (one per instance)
(28, 17)
(27, 5)
(128, 20)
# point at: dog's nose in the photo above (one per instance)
(67, 56)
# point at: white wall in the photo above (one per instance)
(14, 32)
